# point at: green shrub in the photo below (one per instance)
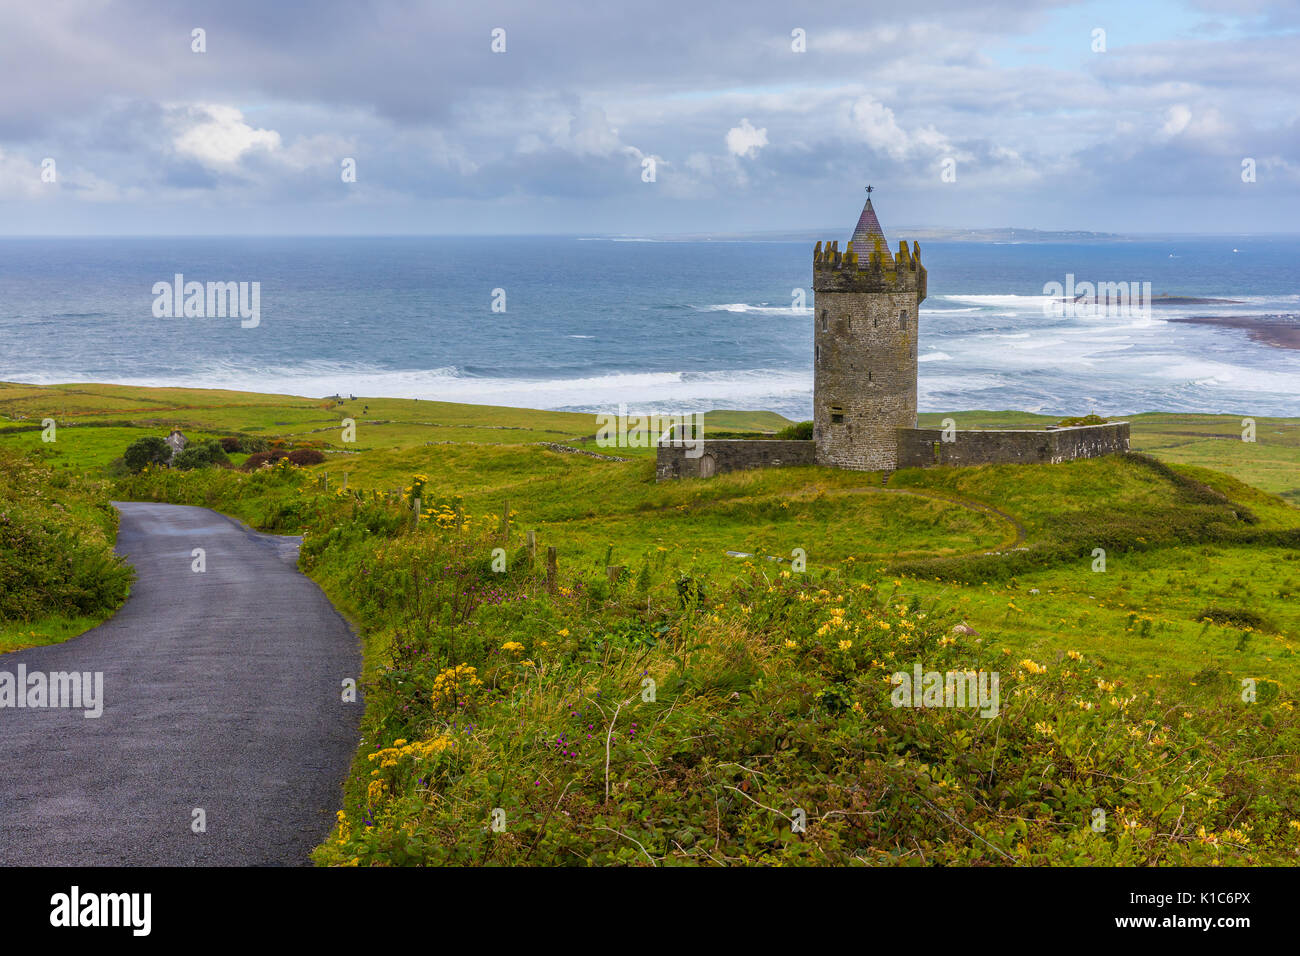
(299, 456)
(250, 444)
(144, 452)
(306, 456)
(1082, 420)
(56, 544)
(801, 431)
(1236, 617)
(201, 455)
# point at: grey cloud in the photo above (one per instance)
(584, 91)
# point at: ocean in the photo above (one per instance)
(659, 326)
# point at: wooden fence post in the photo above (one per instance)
(550, 570)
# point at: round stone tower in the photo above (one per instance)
(864, 346)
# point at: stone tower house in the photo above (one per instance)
(864, 347)
(865, 317)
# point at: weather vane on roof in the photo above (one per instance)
(868, 192)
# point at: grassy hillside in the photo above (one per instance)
(1271, 462)
(107, 417)
(1123, 690)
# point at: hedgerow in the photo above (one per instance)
(56, 543)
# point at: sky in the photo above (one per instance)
(634, 118)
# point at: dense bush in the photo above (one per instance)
(56, 544)
(801, 431)
(1237, 617)
(272, 499)
(201, 455)
(306, 456)
(246, 444)
(143, 452)
(299, 456)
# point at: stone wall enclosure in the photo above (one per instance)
(723, 455)
(923, 447)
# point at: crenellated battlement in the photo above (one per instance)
(848, 270)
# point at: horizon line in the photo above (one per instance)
(741, 236)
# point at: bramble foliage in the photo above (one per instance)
(800, 431)
(56, 544)
(1077, 420)
(247, 444)
(272, 499)
(143, 452)
(201, 455)
(298, 456)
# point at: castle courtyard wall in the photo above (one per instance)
(924, 447)
(721, 455)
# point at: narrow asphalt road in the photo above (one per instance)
(222, 692)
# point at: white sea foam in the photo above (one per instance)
(1262, 299)
(1010, 359)
(1208, 372)
(1032, 343)
(744, 307)
(687, 391)
(1026, 302)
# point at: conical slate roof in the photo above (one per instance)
(864, 237)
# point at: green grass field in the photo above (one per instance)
(488, 457)
(1197, 595)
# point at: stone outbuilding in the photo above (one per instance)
(177, 441)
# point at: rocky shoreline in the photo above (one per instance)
(1280, 331)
